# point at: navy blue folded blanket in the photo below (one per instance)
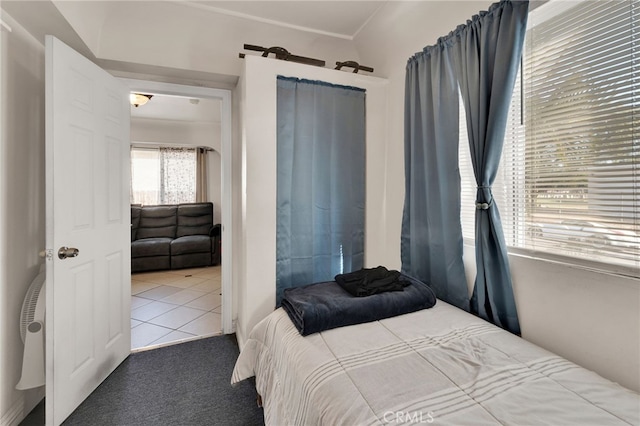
(323, 306)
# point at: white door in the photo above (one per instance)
(88, 326)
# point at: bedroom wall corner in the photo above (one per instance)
(257, 261)
(22, 185)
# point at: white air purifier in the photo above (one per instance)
(32, 333)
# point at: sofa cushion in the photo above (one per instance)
(194, 219)
(157, 222)
(193, 260)
(152, 263)
(191, 244)
(151, 247)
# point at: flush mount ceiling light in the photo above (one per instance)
(138, 99)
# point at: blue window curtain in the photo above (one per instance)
(321, 181)
(487, 56)
(482, 59)
(431, 238)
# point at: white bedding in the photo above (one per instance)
(435, 366)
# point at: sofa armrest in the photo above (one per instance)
(216, 230)
(216, 244)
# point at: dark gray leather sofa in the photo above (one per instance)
(173, 237)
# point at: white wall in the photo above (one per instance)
(257, 218)
(22, 229)
(174, 132)
(588, 317)
(591, 318)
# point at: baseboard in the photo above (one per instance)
(19, 410)
(14, 415)
(240, 337)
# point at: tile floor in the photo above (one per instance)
(173, 306)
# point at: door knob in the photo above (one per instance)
(65, 252)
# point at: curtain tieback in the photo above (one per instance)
(483, 205)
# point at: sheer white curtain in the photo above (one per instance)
(177, 175)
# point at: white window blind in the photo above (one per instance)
(145, 176)
(570, 172)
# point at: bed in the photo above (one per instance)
(434, 366)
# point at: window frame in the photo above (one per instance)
(512, 213)
(157, 149)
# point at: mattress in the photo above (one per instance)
(434, 366)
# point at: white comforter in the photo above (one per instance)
(436, 366)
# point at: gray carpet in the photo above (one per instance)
(185, 384)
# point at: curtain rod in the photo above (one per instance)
(151, 145)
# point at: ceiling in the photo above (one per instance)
(177, 108)
(343, 19)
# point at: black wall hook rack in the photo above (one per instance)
(283, 54)
(353, 64)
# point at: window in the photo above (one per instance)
(569, 179)
(163, 175)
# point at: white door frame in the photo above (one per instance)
(224, 95)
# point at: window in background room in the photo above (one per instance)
(569, 181)
(163, 175)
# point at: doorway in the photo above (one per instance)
(175, 159)
(173, 293)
